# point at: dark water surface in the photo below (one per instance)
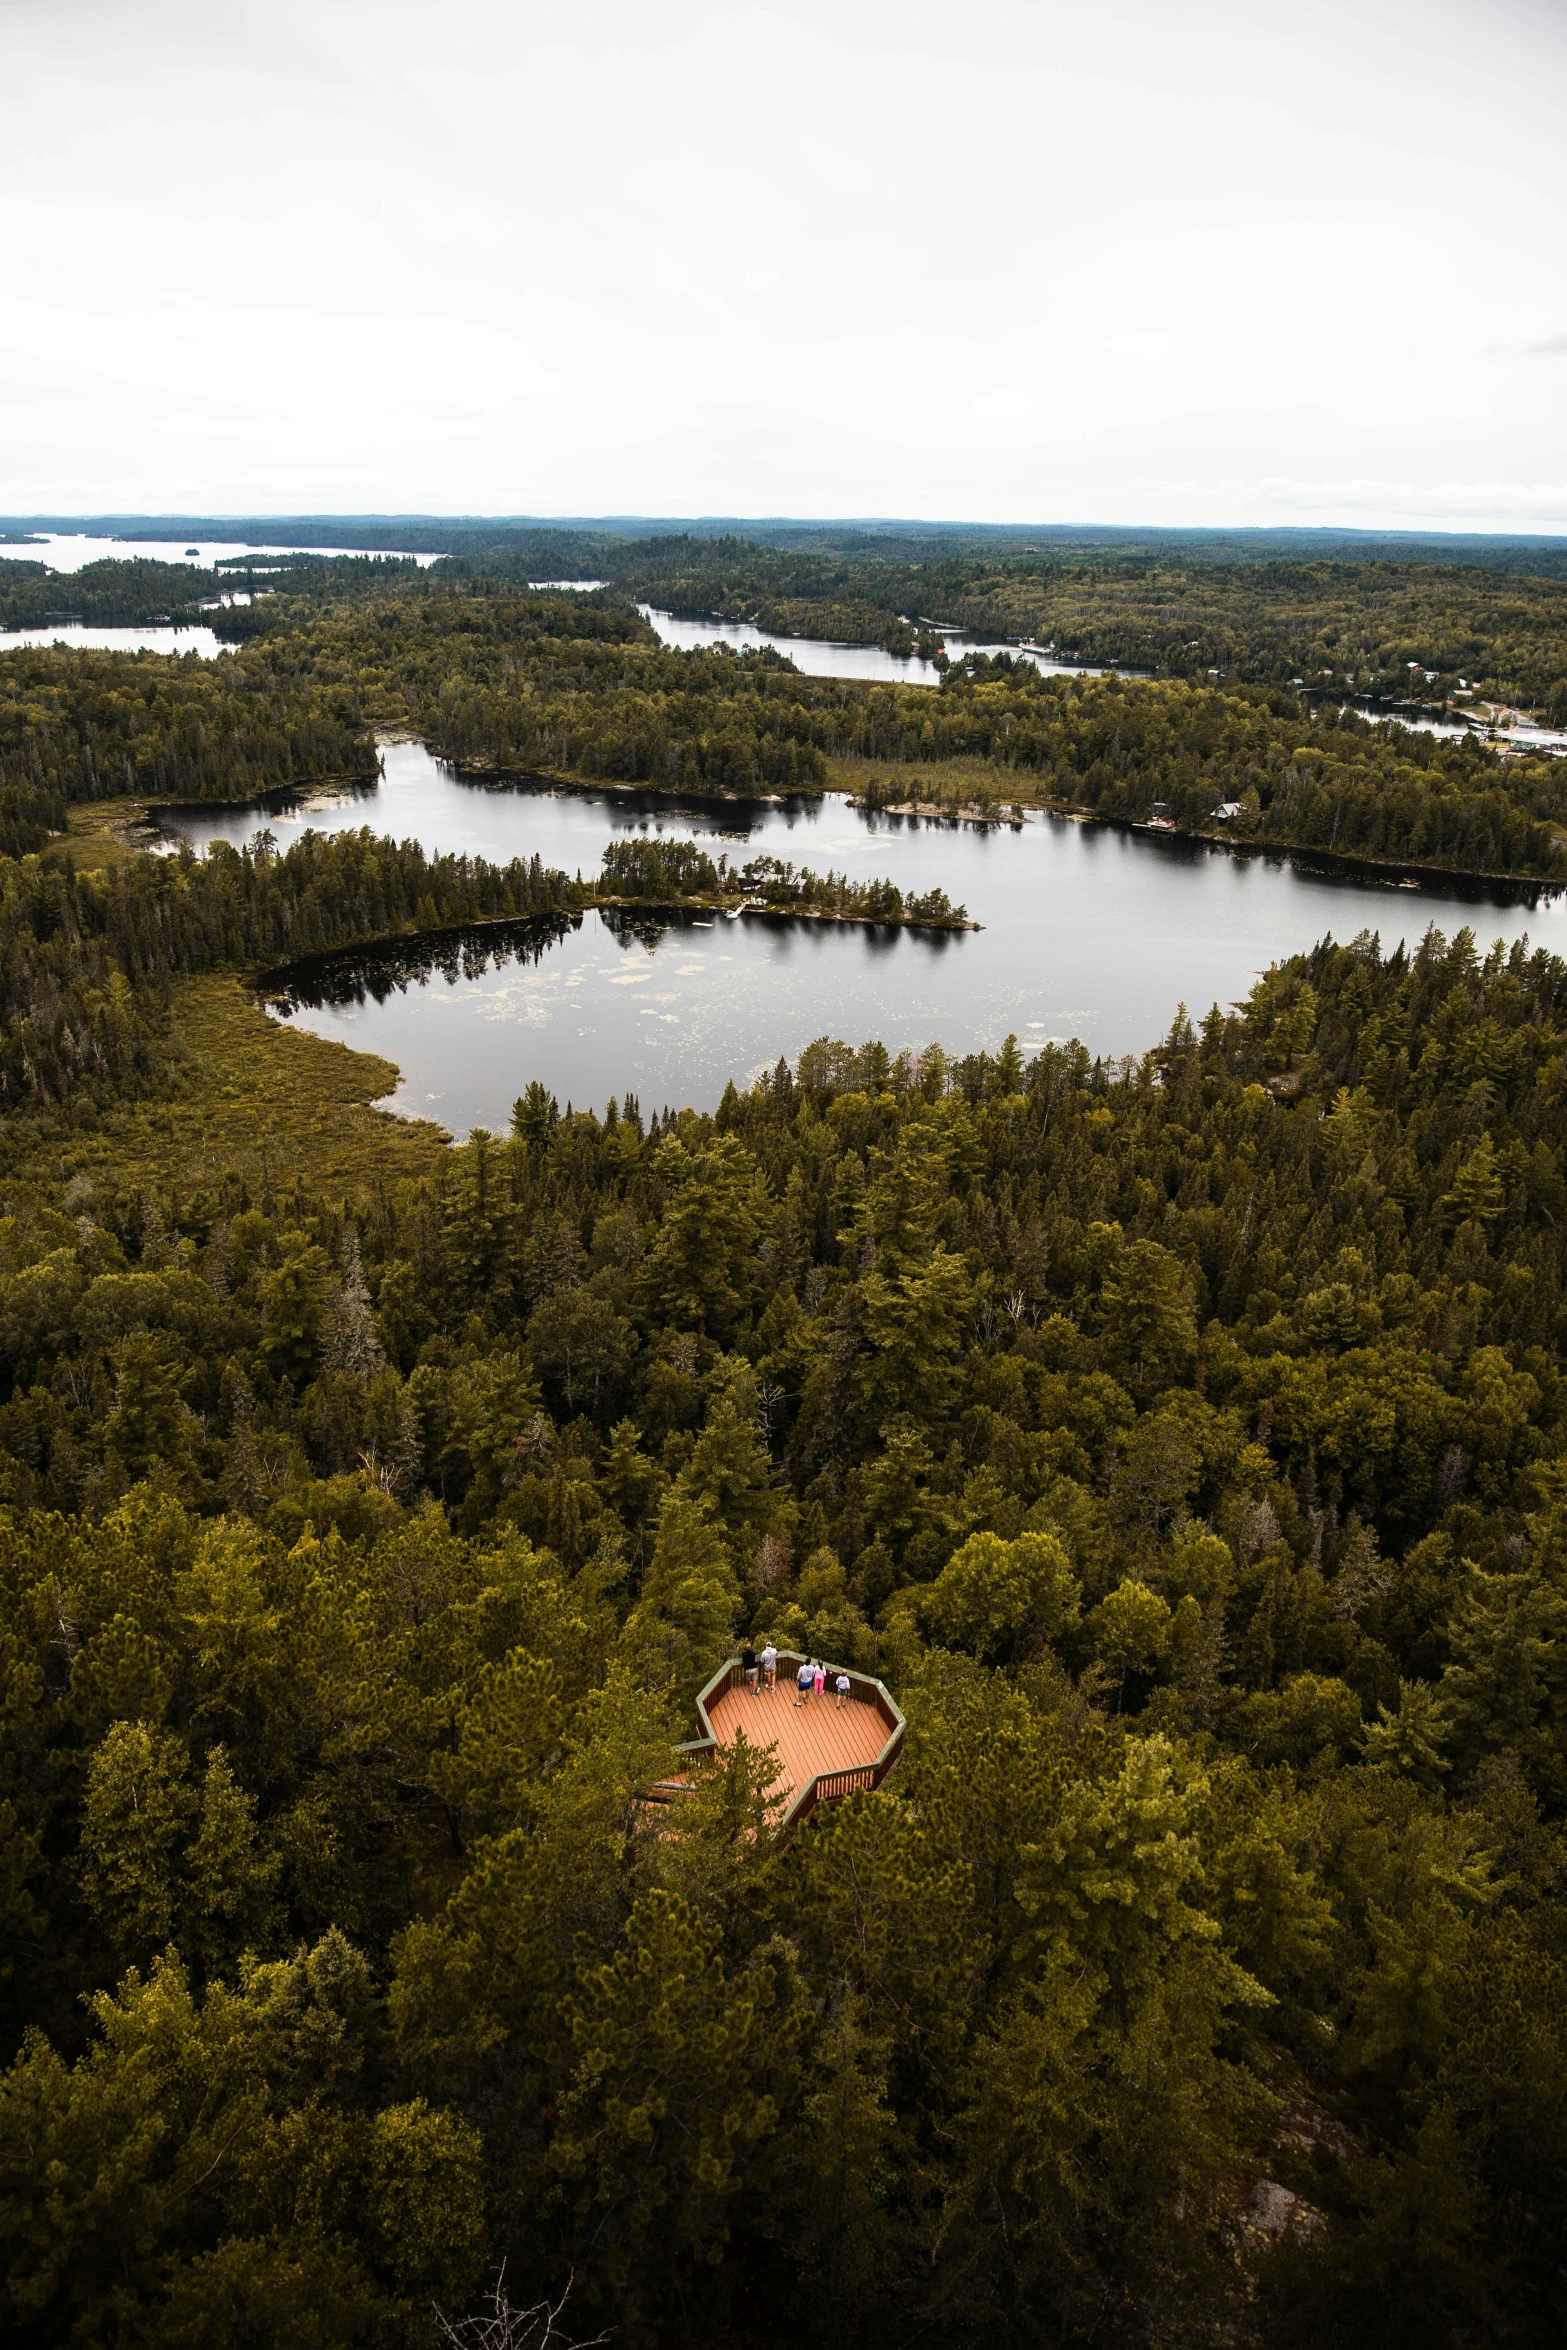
(1089, 932)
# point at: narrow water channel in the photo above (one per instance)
(816, 657)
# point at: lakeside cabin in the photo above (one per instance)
(824, 1750)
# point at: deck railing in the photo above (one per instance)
(825, 1786)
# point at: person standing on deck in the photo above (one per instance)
(770, 1664)
(805, 1682)
(819, 1676)
(748, 1666)
(843, 1691)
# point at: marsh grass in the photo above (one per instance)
(947, 783)
(258, 1101)
(103, 835)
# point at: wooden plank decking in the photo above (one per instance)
(820, 1736)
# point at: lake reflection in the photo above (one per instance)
(667, 1010)
(1089, 932)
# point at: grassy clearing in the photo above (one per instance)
(105, 834)
(942, 783)
(264, 1102)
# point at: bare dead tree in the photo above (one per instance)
(501, 2327)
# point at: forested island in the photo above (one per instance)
(1181, 1439)
(678, 872)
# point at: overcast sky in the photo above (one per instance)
(1130, 261)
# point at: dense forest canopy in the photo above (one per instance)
(1182, 1439)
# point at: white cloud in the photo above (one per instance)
(1151, 261)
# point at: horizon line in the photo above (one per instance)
(59, 521)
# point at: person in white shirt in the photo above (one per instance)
(769, 1667)
(842, 1686)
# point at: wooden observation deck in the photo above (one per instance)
(824, 1750)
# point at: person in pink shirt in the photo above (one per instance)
(819, 1677)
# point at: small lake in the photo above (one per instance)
(1089, 931)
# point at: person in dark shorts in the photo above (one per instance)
(749, 1666)
(805, 1682)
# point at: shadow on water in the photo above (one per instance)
(1328, 865)
(294, 805)
(464, 955)
(358, 975)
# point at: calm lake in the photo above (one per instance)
(1089, 932)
